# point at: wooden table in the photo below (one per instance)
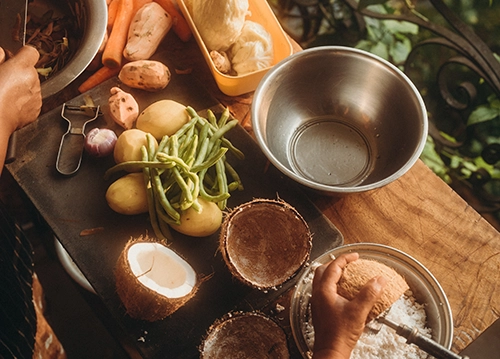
(418, 214)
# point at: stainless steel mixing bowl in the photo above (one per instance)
(339, 120)
(425, 287)
(93, 20)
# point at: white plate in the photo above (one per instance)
(70, 267)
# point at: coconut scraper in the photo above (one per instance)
(413, 336)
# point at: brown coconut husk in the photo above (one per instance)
(265, 242)
(245, 335)
(141, 302)
(356, 274)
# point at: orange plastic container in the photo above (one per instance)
(262, 13)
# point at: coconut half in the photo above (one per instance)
(245, 335)
(265, 242)
(152, 280)
(356, 274)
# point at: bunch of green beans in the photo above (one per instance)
(189, 164)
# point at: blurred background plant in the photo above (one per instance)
(449, 49)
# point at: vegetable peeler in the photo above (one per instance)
(413, 336)
(71, 148)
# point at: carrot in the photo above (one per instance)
(98, 77)
(112, 55)
(112, 7)
(180, 25)
(140, 3)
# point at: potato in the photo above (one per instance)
(147, 29)
(200, 224)
(128, 146)
(146, 75)
(127, 195)
(164, 117)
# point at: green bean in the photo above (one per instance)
(163, 143)
(212, 128)
(131, 166)
(151, 146)
(210, 197)
(239, 155)
(221, 181)
(189, 153)
(211, 118)
(186, 127)
(174, 146)
(223, 118)
(202, 153)
(210, 161)
(167, 206)
(160, 232)
(186, 166)
(192, 112)
(162, 215)
(234, 175)
(163, 158)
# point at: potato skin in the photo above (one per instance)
(148, 75)
(123, 108)
(202, 224)
(162, 118)
(128, 146)
(148, 28)
(127, 195)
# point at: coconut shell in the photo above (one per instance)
(245, 335)
(141, 302)
(265, 242)
(356, 274)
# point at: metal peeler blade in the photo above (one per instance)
(71, 148)
(412, 336)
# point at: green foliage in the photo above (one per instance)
(431, 158)
(388, 38)
(486, 112)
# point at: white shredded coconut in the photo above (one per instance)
(386, 343)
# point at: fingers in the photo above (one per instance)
(369, 294)
(2, 55)
(333, 271)
(327, 275)
(27, 55)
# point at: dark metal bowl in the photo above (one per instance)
(93, 19)
(339, 120)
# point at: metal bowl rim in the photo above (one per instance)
(319, 186)
(95, 30)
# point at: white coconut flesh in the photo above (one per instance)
(161, 269)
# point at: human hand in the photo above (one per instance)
(20, 94)
(20, 90)
(338, 323)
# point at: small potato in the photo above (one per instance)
(148, 75)
(128, 146)
(127, 195)
(162, 118)
(200, 224)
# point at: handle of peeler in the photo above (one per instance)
(428, 345)
(11, 149)
(70, 153)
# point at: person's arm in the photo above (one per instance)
(20, 94)
(338, 323)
